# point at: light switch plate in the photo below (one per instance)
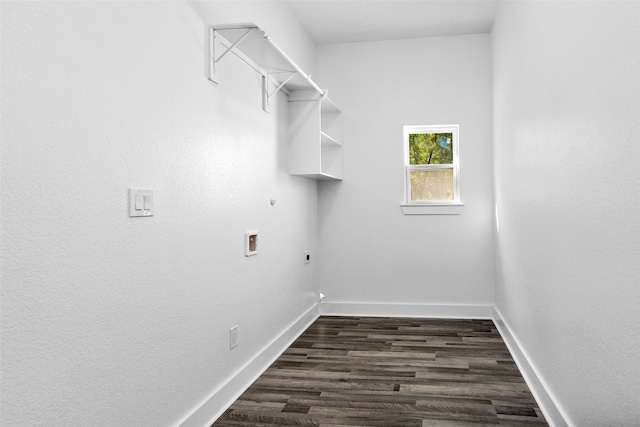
(144, 205)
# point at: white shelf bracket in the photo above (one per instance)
(217, 38)
(266, 96)
(213, 61)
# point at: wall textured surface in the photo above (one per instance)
(112, 320)
(371, 252)
(566, 121)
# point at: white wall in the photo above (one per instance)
(112, 320)
(125, 321)
(370, 251)
(567, 115)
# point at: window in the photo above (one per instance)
(432, 169)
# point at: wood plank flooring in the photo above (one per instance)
(363, 371)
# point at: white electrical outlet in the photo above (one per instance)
(233, 337)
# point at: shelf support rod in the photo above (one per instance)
(307, 77)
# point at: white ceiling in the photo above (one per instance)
(346, 21)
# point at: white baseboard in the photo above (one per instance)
(406, 310)
(218, 402)
(552, 412)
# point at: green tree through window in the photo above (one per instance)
(430, 148)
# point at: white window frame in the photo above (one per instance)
(432, 207)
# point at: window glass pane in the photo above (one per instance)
(431, 149)
(431, 185)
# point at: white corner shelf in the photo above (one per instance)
(328, 140)
(315, 130)
(315, 123)
(319, 176)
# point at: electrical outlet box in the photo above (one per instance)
(251, 243)
(233, 337)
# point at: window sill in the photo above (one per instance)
(433, 209)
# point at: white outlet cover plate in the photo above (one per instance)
(233, 337)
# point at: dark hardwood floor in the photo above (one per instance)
(363, 371)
